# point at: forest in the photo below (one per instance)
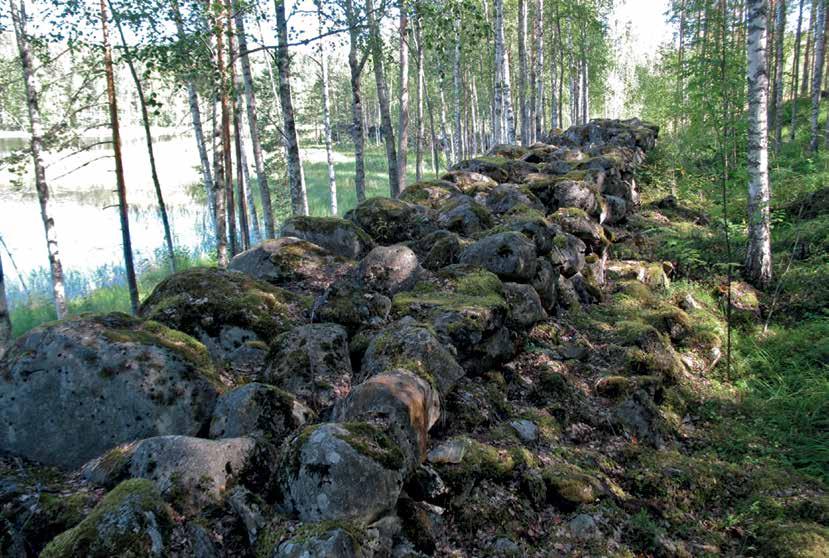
(374, 278)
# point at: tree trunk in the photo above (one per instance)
(795, 69)
(777, 93)
(807, 57)
(435, 155)
(119, 164)
(18, 16)
(198, 130)
(145, 120)
(538, 71)
(475, 120)
(523, 68)
(585, 89)
(358, 125)
(680, 74)
(326, 121)
(758, 255)
(228, 110)
(508, 105)
(253, 218)
(403, 130)
(253, 125)
(817, 72)
(5, 320)
(296, 175)
(240, 172)
(456, 93)
(418, 36)
(376, 42)
(219, 159)
(498, 132)
(447, 142)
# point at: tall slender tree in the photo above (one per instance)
(795, 69)
(326, 119)
(253, 123)
(777, 91)
(19, 22)
(145, 121)
(523, 70)
(817, 72)
(758, 253)
(356, 63)
(376, 45)
(123, 210)
(296, 175)
(403, 128)
(456, 92)
(420, 91)
(499, 92)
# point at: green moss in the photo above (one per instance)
(102, 534)
(571, 484)
(795, 540)
(372, 442)
(480, 461)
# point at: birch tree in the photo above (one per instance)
(123, 211)
(418, 38)
(523, 69)
(376, 45)
(296, 175)
(456, 92)
(795, 69)
(499, 92)
(19, 20)
(758, 253)
(326, 121)
(253, 124)
(403, 128)
(777, 92)
(356, 62)
(817, 72)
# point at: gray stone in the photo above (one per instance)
(464, 216)
(390, 221)
(410, 345)
(404, 404)
(190, 471)
(351, 306)
(341, 472)
(509, 255)
(132, 520)
(292, 263)
(576, 194)
(430, 193)
(568, 254)
(258, 410)
(334, 543)
(389, 269)
(545, 282)
(505, 547)
(470, 182)
(525, 307)
(73, 389)
(339, 236)
(584, 526)
(233, 314)
(527, 430)
(247, 507)
(312, 362)
(507, 196)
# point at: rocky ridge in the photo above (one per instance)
(458, 372)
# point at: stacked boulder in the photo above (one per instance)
(311, 372)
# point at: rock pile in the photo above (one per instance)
(307, 378)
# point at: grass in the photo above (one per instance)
(781, 374)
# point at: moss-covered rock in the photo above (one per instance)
(70, 390)
(352, 306)
(349, 471)
(131, 521)
(490, 166)
(292, 263)
(390, 221)
(509, 255)
(464, 216)
(430, 193)
(470, 183)
(339, 236)
(234, 315)
(506, 197)
(260, 411)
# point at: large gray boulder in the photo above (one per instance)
(258, 410)
(339, 236)
(292, 263)
(525, 307)
(333, 543)
(352, 306)
(312, 362)
(132, 520)
(405, 404)
(507, 196)
(388, 269)
(408, 344)
(71, 390)
(390, 221)
(509, 255)
(568, 254)
(340, 472)
(464, 216)
(469, 182)
(189, 472)
(430, 193)
(233, 314)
